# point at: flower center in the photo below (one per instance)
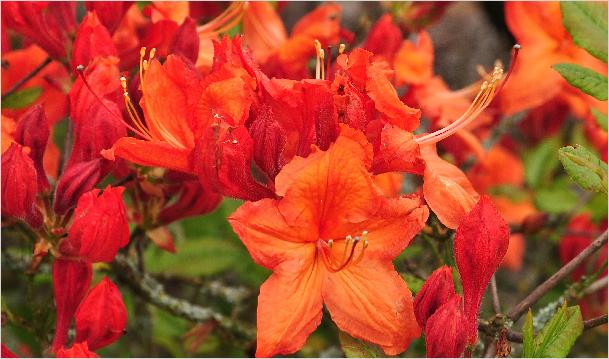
(340, 254)
(322, 68)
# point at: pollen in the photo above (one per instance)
(336, 258)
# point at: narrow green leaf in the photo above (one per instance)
(584, 167)
(600, 118)
(528, 346)
(586, 21)
(560, 333)
(22, 98)
(590, 82)
(357, 348)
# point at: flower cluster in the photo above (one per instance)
(311, 129)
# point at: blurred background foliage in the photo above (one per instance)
(211, 267)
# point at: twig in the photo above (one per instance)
(516, 337)
(495, 295)
(153, 291)
(27, 77)
(599, 284)
(543, 288)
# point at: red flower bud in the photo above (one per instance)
(100, 226)
(481, 242)
(110, 13)
(78, 350)
(445, 335)
(71, 279)
(223, 159)
(92, 40)
(33, 131)
(437, 290)
(101, 318)
(76, 180)
(19, 186)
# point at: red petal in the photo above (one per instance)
(445, 336)
(110, 13)
(269, 140)
(101, 317)
(186, 40)
(19, 186)
(437, 290)
(71, 281)
(78, 350)
(100, 226)
(384, 37)
(33, 131)
(481, 242)
(92, 40)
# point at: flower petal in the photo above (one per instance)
(150, 153)
(372, 302)
(289, 306)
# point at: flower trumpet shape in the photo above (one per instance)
(330, 240)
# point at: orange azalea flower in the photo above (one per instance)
(330, 240)
(178, 107)
(538, 27)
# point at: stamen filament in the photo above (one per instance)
(349, 251)
(483, 99)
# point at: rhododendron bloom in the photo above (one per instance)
(445, 336)
(100, 226)
(330, 240)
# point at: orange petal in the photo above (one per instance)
(386, 100)
(413, 62)
(498, 167)
(390, 183)
(8, 130)
(289, 306)
(268, 237)
(397, 151)
(263, 29)
(169, 92)
(332, 187)
(446, 189)
(150, 153)
(372, 302)
(514, 212)
(515, 253)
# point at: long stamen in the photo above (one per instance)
(225, 21)
(317, 62)
(80, 69)
(329, 49)
(483, 99)
(322, 56)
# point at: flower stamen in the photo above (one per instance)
(486, 94)
(349, 252)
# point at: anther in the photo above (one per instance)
(341, 48)
(152, 52)
(80, 68)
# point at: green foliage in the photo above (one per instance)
(586, 21)
(585, 168)
(557, 197)
(22, 98)
(589, 81)
(414, 284)
(541, 161)
(558, 336)
(357, 348)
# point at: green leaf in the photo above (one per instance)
(560, 333)
(600, 118)
(589, 81)
(22, 98)
(357, 348)
(196, 257)
(528, 346)
(557, 197)
(541, 161)
(584, 167)
(414, 284)
(586, 21)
